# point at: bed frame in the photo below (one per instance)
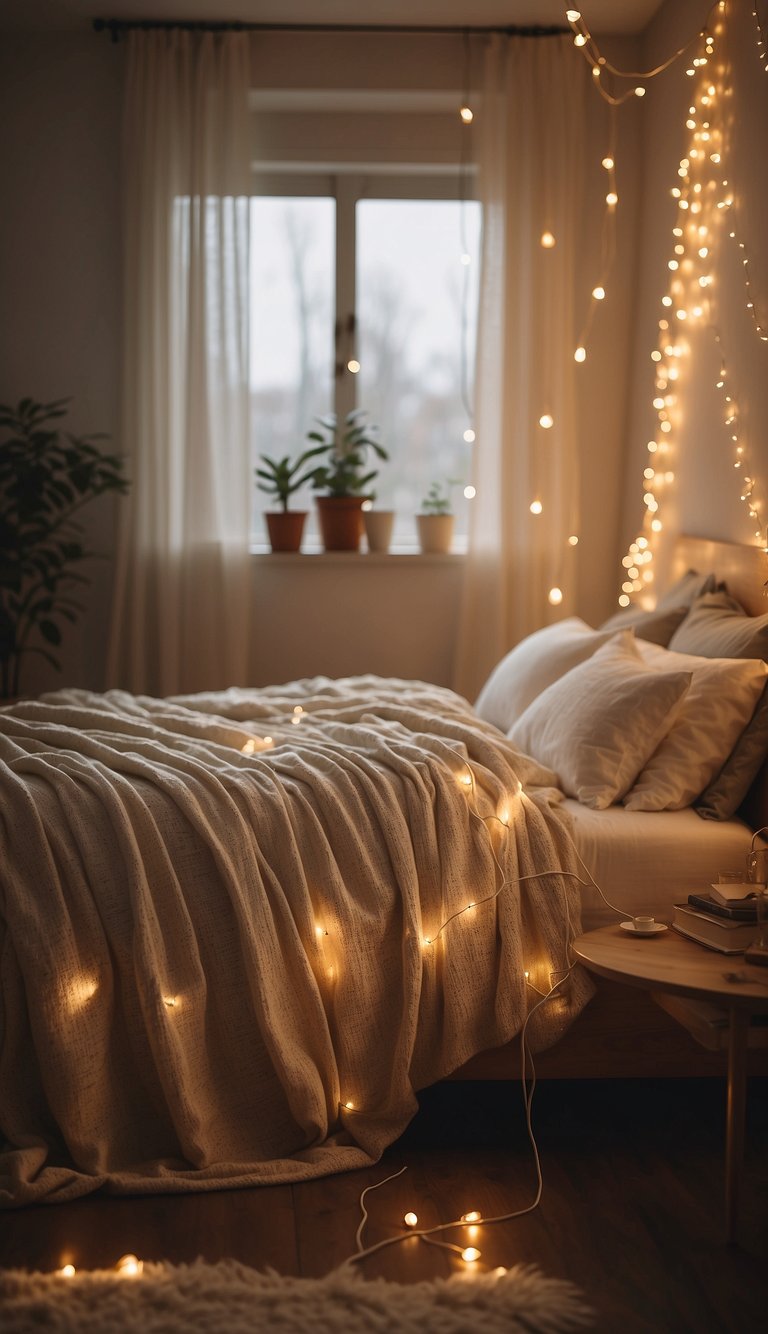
(623, 1033)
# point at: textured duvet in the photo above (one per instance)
(213, 923)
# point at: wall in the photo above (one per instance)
(705, 498)
(60, 270)
(60, 295)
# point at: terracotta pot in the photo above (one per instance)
(341, 522)
(435, 532)
(378, 528)
(285, 529)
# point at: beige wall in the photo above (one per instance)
(705, 500)
(60, 269)
(60, 297)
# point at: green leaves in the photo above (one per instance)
(46, 476)
(281, 478)
(346, 445)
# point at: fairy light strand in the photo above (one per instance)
(704, 201)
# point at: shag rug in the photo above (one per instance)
(230, 1298)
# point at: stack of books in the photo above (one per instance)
(724, 920)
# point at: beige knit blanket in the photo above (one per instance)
(213, 912)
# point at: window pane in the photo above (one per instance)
(292, 315)
(417, 304)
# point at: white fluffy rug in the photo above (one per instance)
(229, 1298)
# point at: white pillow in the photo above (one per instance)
(600, 723)
(534, 664)
(717, 708)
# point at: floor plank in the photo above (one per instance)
(632, 1207)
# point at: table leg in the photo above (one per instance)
(735, 1110)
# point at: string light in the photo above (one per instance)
(703, 199)
(129, 1266)
(558, 978)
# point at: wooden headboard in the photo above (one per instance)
(744, 570)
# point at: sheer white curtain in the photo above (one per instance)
(180, 617)
(531, 125)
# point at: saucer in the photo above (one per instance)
(633, 931)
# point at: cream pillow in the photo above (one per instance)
(533, 664)
(600, 723)
(718, 706)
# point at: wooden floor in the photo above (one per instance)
(631, 1209)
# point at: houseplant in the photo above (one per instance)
(436, 520)
(345, 477)
(46, 476)
(282, 478)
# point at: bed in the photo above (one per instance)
(240, 931)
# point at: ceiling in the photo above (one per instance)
(603, 16)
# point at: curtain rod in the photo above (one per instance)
(116, 27)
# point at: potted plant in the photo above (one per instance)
(282, 478)
(435, 523)
(46, 476)
(344, 477)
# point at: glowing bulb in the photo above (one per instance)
(466, 779)
(410, 1219)
(555, 596)
(470, 492)
(639, 92)
(473, 1217)
(546, 421)
(598, 293)
(353, 366)
(129, 1266)
(608, 163)
(580, 39)
(580, 354)
(547, 240)
(573, 15)
(350, 1106)
(467, 114)
(170, 1002)
(469, 435)
(573, 540)
(611, 198)
(535, 507)
(66, 1271)
(470, 1254)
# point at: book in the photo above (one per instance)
(734, 893)
(719, 933)
(736, 910)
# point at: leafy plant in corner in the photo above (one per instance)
(282, 478)
(46, 476)
(346, 445)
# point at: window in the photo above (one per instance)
(377, 270)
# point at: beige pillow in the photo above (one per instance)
(600, 723)
(532, 665)
(718, 706)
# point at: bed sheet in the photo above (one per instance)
(646, 861)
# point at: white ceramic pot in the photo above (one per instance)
(435, 533)
(378, 528)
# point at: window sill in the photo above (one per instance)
(367, 558)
